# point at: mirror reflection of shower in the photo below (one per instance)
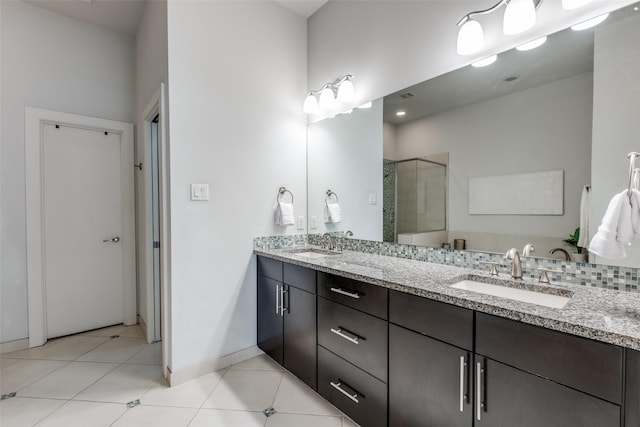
(414, 198)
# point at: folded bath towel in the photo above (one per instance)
(605, 243)
(284, 214)
(332, 213)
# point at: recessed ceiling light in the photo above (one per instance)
(400, 113)
(532, 44)
(484, 62)
(590, 23)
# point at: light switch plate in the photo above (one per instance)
(313, 224)
(300, 223)
(373, 199)
(199, 192)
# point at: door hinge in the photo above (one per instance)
(156, 245)
(138, 165)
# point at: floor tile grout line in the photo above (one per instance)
(42, 419)
(43, 376)
(107, 373)
(226, 371)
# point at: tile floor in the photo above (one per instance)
(87, 379)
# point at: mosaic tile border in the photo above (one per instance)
(586, 274)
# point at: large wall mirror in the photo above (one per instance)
(490, 158)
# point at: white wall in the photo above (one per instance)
(509, 135)
(345, 156)
(616, 124)
(389, 45)
(58, 63)
(151, 70)
(237, 73)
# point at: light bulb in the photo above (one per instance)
(310, 104)
(470, 38)
(590, 23)
(327, 100)
(485, 62)
(532, 44)
(346, 92)
(573, 4)
(519, 16)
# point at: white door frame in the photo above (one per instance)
(34, 119)
(156, 107)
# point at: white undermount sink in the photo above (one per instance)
(311, 252)
(516, 294)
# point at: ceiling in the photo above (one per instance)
(123, 16)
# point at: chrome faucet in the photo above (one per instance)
(329, 241)
(516, 268)
(567, 257)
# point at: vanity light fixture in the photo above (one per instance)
(590, 23)
(485, 62)
(519, 16)
(532, 44)
(341, 91)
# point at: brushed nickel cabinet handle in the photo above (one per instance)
(347, 293)
(353, 395)
(343, 333)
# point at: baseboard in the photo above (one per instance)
(184, 375)
(143, 326)
(9, 346)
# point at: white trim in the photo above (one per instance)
(34, 118)
(9, 346)
(180, 377)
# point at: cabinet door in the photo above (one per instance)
(300, 335)
(509, 397)
(270, 320)
(429, 381)
(632, 400)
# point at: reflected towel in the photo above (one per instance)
(605, 243)
(635, 213)
(585, 208)
(332, 213)
(284, 214)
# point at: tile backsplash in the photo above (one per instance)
(585, 274)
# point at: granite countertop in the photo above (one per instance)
(600, 314)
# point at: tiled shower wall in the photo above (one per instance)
(586, 274)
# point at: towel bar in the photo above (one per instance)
(282, 191)
(329, 194)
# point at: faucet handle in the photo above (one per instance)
(544, 275)
(493, 267)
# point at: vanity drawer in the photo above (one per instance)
(445, 322)
(365, 297)
(590, 366)
(300, 277)
(270, 268)
(355, 336)
(370, 405)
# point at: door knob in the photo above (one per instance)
(112, 240)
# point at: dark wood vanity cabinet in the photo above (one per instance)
(287, 317)
(389, 358)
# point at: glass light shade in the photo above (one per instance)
(346, 92)
(470, 38)
(573, 4)
(590, 23)
(519, 16)
(532, 44)
(327, 99)
(485, 62)
(310, 104)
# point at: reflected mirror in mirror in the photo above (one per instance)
(528, 118)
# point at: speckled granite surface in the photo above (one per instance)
(605, 315)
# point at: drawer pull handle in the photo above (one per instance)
(277, 298)
(353, 395)
(347, 293)
(343, 333)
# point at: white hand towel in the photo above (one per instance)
(605, 242)
(332, 213)
(284, 214)
(625, 225)
(635, 213)
(585, 208)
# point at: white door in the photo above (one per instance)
(82, 200)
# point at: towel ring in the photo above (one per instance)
(329, 194)
(282, 191)
(632, 164)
